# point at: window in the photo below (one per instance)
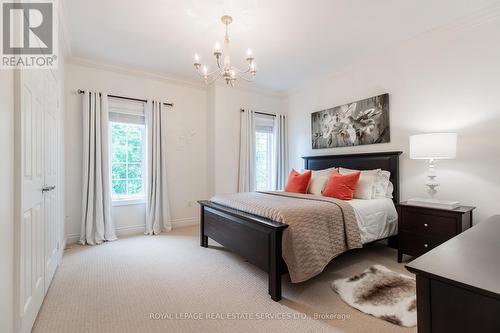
(264, 152)
(127, 153)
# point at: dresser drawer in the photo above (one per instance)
(417, 244)
(417, 221)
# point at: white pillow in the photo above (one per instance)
(324, 172)
(319, 178)
(390, 189)
(317, 185)
(382, 185)
(366, 184)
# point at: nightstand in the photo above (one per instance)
(423, 228)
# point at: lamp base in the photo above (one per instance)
(433, 203)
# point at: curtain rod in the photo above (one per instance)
(264, 113)
(127, 98)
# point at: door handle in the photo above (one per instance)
(48, 188)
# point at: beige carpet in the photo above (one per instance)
(116, 287)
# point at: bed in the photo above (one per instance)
(258, 237)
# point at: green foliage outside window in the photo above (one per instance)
(126, 161)
(261, 161)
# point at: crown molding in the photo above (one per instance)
(191, 83)
(133, 71)
(465, 23)
(246, 87)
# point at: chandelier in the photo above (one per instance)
(226, 70)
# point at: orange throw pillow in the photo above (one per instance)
(342, 186)
(298, 182)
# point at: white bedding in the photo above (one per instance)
(377, 218)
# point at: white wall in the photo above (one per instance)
(187, 150)
(6, 199)
(224, 130)
(203, 138)
(445, 80)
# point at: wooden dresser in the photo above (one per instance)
(458, 283)
(423, 228)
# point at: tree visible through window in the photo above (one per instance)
(127, 143)
(264, 156)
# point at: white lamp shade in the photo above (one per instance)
(433, 146)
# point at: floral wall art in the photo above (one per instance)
(358, 123)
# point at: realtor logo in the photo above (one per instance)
(29, 34)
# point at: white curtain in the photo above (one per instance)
(246, 175)
(280, 152)
(157, 208)
(97, 225)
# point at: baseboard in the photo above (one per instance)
(137, 229)
(185, 222)
(72, 239)
(130, 230)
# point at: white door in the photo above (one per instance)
(32, 228)
(51, 195)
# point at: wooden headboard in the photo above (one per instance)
(384, 160)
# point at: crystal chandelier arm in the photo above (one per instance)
(244, 74)
(208, 74)
(243, 71)
(248, 79)
(214, 78)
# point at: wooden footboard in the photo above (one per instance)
(256, 239)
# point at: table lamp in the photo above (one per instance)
(432, 147)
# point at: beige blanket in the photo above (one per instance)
(320, 228)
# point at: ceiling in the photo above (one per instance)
(293, 41)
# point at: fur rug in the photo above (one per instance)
(382, 293)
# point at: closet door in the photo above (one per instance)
(31, 238)
(38, 234)
(51, 160)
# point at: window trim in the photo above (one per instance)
(128, 202)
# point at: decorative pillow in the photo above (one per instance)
(367, 180)
(324, 172)
(390, 189)
(381, 189)
(317, 185)
(298, 182)
(342, 186)
(319, 179)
